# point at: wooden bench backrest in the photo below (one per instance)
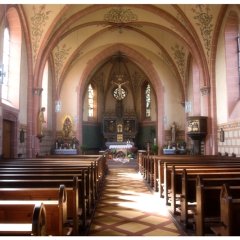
(36, 227)
(230, 208)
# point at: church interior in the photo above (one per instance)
(104, 89)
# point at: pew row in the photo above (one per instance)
(208, 212)
(229, 212)
(32, 223)
(55, 202)
(152, 166)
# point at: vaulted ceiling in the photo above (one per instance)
(162, 33)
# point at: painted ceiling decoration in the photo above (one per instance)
(180, 59)
(38, 22)
(60, 55)
(204, 20)
(169, 34)
(120, 17)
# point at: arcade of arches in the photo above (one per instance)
(78, 76)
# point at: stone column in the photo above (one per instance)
(205, 111)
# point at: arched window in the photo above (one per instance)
(12, 43)
(6, 59)
(232, 64)
(90, 101)
(148, 101)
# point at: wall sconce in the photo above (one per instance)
(37, 91)
(188, 106)
(221, 136)
(2, 73)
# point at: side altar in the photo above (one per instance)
(66, 144)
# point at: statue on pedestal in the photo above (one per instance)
(67, 127)
(40, 123)
(173, 131)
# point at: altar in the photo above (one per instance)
(70, 151)
(120, 151)
(119, 145)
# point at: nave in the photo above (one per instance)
(128, 208)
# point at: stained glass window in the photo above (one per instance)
(6, 58)
(90, 100)
(148, 100)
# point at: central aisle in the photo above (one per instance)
(128, 208)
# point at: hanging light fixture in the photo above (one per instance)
(120, 76)
(58, 106)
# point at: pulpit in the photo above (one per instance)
(197, 131)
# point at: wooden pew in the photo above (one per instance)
(174, 185)
(97, 171)
(32, 223)
(229, 210)
(92, 185)
(157, 165)
(193, 167)
(84, 175)
(54, 200)
(86, 184)
(208, 206)
(44, 164)
(188, 193)
(77, 210)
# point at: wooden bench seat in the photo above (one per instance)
(207, 212)
(56, 208)
(229, 212)
(33, 223)
(154, 165)
(188, 193)
(77, 207)
(92, 185)
(173, 175)
(38, 171)
(96, 176)
(86, 181)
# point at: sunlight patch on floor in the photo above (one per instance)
(141, 202)
(130, 175)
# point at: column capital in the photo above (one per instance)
(37, 91)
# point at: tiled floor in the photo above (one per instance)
(128, 208)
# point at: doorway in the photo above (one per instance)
(7, 142)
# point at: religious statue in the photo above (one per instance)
(119, 84)
(173, 131)
(67, 127)
(119, 93)
(119, 128)
(127, 127)
(41, 122)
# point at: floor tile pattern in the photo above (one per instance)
(128, 208)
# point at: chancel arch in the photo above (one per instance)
(133, 97)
